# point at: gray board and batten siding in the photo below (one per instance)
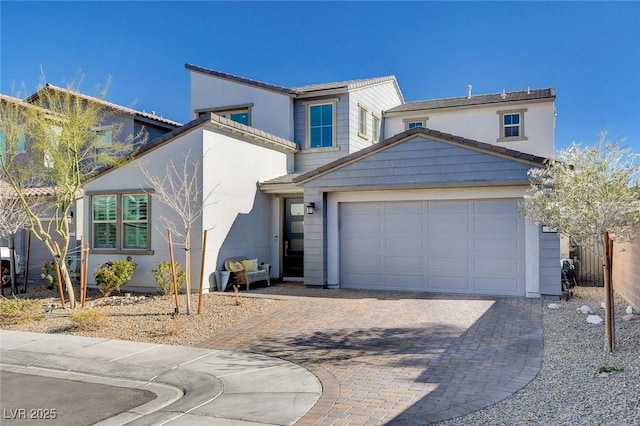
(423, 162)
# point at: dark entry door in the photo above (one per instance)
(293, 260)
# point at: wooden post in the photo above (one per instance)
(26, 261)
(173, 272)
(200, 290)
(608, 293)
(187, 268)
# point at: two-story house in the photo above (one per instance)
(121, 124)
(344, 185)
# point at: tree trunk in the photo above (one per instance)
(64, 271)
(608, 294)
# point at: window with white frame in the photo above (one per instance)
(321, 129)
(362, 121)
(120, 222)
(411, 123)
(375, 127)
(512, 125)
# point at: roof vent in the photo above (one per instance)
(468, 91)
(504, 94)
(528, 90)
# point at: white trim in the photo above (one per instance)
(532, 260)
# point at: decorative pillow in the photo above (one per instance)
(250, 265)
(235, 266)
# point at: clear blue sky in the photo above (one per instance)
(590, 52)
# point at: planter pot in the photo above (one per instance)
(222, 279)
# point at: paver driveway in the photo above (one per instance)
(397, 358)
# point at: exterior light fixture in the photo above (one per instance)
(310, 208)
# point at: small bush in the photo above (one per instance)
(112, 275)
(164, 277)
(89, 320)
(17, 311)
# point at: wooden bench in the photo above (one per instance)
(241, 275)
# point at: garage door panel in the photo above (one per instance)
(466, 246)
(493, 285)
(449, 207)
(448, 224)
(448, 266)
(502, 246)
(449, 284)
(403, 208)
(404, 225)
(403, 246)
(495, 206)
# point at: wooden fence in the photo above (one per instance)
(588, 260)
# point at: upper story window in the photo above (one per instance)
(104, 136)
(321, 129)
(362, 121)
(410, 123)
(20, 143)
(512, 125)
(375, 127)
(120, 222)
(239, 113)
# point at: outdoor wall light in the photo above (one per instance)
(310, 208)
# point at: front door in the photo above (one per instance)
(293, 250)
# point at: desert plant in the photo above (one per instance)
(89, 320)
(164, 277)
(112, 275)
(17, 311)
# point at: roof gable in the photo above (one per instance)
(457, 141)
(300, 91)
(125, 110)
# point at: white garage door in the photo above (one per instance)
(468, 246)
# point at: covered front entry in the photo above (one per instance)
(458, 246)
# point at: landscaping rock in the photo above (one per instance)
(585, 309)
(594, 319)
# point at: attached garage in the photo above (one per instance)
(427, 211)
(458, 246)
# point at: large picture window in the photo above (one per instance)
(120, 222)
(321, 126)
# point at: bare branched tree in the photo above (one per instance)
(180, 190)
(12, 220)
(52, 141)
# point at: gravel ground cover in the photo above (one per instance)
(149, 318)
(569, 390)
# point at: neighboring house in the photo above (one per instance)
(344, 185)
(123, 123)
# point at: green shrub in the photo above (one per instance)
(89, 320)
(164, 277)
(17, 311)
(112, 275)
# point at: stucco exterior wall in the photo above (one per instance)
(626, 271)
(270, 111)
(483, 124)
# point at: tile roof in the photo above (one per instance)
(299, 90)
(111, 105)
(273, 87)
(419, 131)
(286, 179)
(494, 98)
(6, 190)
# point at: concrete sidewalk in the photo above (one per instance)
(192, 386)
